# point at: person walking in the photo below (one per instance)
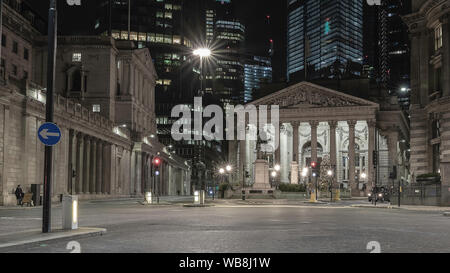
(19, 195)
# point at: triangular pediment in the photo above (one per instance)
(309, 95)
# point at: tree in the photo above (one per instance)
(325, 179)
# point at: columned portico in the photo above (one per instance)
(324, 130)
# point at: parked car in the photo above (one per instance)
(379, 194)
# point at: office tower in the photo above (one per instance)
(258, 70)
(225, 35)
(329, 34)
(387, 48)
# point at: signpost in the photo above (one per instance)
(47, 133)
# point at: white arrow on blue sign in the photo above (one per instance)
(49, 134)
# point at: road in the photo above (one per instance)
(244, 229)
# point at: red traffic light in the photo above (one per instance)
(313, 164)
(156, 161)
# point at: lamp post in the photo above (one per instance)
(202, 53)
(223, 172)
(274, 174)
(330, 174)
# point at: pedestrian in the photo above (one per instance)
(19, 195)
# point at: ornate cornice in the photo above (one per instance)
(309, 95)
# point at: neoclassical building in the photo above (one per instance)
(105, 107)
(316, 123)
(429, 26)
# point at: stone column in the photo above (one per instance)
(371, 168)
(87, 165)
(106, 170)
(138, 173)
(314, 125)
(333, 148)
(351, 157)
(93, 169)
(392, 146)
(99, 164)
(80, 157)
(296, 161)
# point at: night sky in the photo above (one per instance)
(252, 12)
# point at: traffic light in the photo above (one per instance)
(156, 162)
(314, 169)
(375, 158)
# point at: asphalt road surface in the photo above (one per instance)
(254, 229)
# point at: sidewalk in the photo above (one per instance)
(36, 236)
(404, 207)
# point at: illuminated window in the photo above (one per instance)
(133, 36)
(177, 39)
(96, 108)
(116, 34)
(76, 57)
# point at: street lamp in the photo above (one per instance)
(229, 168)
(363, 176)
(202, 53)
(277, 167)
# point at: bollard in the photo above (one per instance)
(313, 197)
(197, 198)
(202, 197)
(149, 198)
(70, 212)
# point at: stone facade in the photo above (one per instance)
(429, 26)
(317, 122)
(104, 105)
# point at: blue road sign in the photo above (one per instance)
(49, 134)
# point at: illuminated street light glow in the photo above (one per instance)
(274, 174)
(229, 168)
(202, 52)
(363, 175)
(277, 168)
(221, 170)
(330, 172)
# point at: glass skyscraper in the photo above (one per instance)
(257, 70)
(329, 34)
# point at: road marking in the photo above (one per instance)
(19, 218)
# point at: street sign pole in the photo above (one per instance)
(52, 26)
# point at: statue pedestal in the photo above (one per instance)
(262, 182)
(294, 173)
